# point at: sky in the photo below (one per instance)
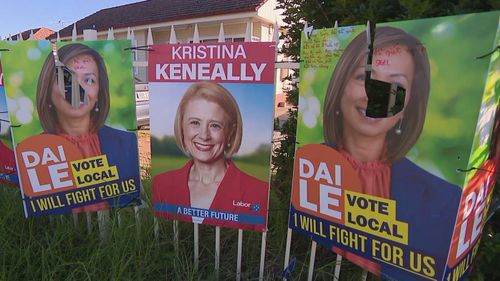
(20, 15)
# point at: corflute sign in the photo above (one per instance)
(377, 178)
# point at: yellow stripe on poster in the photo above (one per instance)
(374, 215)
(94, 170)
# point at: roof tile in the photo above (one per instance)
(155, 11)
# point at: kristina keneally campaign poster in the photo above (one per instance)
(404, 197)
(70, 116)
(8, 170)
(211, 129)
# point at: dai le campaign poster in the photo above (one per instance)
(211, 130)
(71, 106)
(390, 193)
(8, 171)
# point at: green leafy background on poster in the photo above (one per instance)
(457, 86)
(22, 65)
(482, 138)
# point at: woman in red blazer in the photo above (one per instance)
(210, 189)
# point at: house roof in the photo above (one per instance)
(38, 33)
(157, 11)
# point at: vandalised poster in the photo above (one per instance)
(397, 147)
(72, 110)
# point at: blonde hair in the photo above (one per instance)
(217, 94)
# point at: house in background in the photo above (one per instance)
(161, 15)
(40, 33)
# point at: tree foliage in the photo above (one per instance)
(323, 14)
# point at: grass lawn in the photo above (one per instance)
(47, 249)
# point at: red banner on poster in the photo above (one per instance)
(216, 62)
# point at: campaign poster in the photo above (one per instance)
(8, 170)
(72, 112)
(211, 129)
(480, 178)
(388, 193)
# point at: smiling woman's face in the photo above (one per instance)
(205, 130)
(85, 68)
(388, 66)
